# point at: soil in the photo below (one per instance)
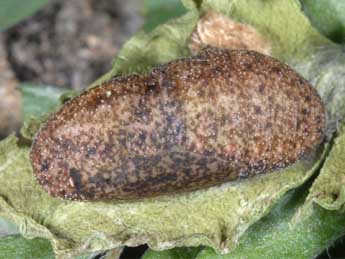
(68, 43)
(71, 43)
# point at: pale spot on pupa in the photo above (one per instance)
(71, 182)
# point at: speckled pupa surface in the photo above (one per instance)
(189, 124)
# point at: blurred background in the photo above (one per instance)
(47, 45)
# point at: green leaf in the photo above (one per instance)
(7, 228)
(14, 247)
(160, 11)
(31, 126)
(145, 50)
(275, 237)
(13, 11)
(325, 70)
(175, 253)
(328, 189)
(328, 17)
(40, 100)
(38, 103)
(282, 22)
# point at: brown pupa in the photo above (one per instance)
(189, 124)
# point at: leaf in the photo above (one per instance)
(13, 11)
(328, 17)
(112, 254)
(40, 100)
(178, 253)
(7, 228)
(282, 22)
(145, 50)
(274, 236)
(14, 247)
(160, 11)
(325, 70)
(38, 103)
(328, 189)
(31, 126)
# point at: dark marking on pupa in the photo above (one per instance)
(189, 124)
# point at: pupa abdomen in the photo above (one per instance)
(188, 124)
